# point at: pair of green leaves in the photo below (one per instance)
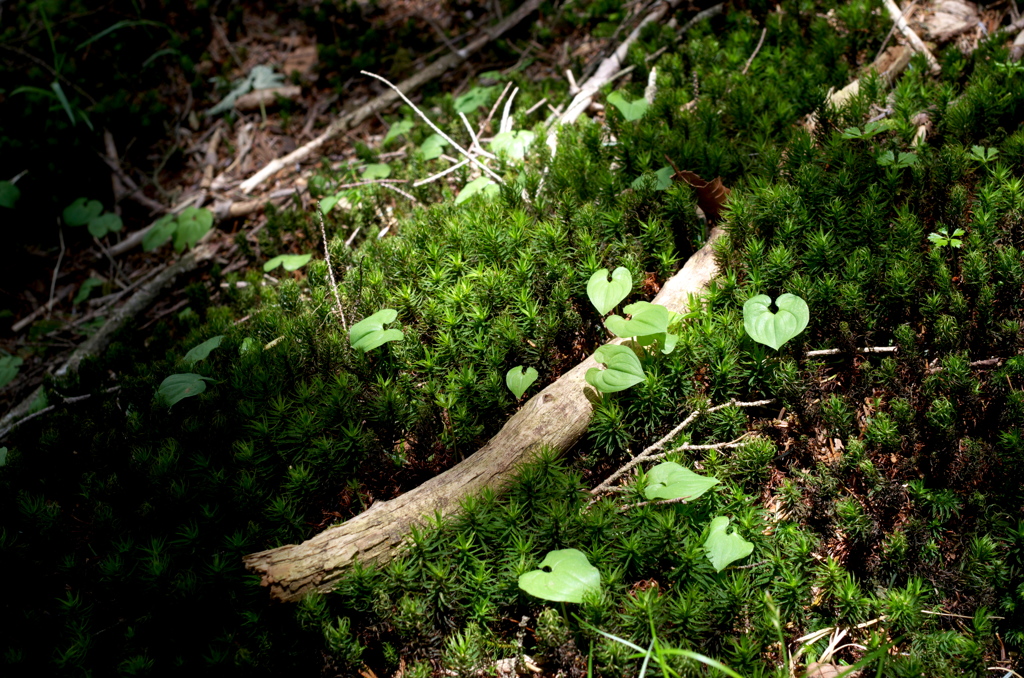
(870, 130)
(900, 161)
(186, 229)
(369, 333)
(648, 323)
(9, 194)
(669, 480)
(177, 387)
(946, 239)
(775, 329)
(89, 213)
(290, 262)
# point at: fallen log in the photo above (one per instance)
(554, 418)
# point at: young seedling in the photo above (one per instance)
(669, 480)
(369, 333)
(870, 130)
(89, 213)
(982, 154)
(482, 185)
(186, 229)
(901, 161)
(946, 239)
(180, 386)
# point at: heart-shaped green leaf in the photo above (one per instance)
(86, 289)
(327, 203)
(724, 547)
(291, 262)
(248, 344)
(200, 352)
(159, 233)
(377, 170)
(369, 333)
(193, 223)
(9, 366)
(647, 319)
(631, 110)
(775, 329)
(432, 147)
(662, 179)
(669, 480)
(623, 369)
(605, 295)
(397, 130)
(180, 386)
(82, 211)
(519, 380)
(9, 194)
(564, 576)
(482, 185)
(514, 144)
(105, 223)
(666, 341)
(474, 99)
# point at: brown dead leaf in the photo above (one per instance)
(711, 195)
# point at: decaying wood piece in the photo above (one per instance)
(915, 41)
(555, 418)
(378, 104)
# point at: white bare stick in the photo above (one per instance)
(351, 238)
(378, 104)
(440, 174)
(330, 269)
(506, 123)
(399, 191)
(475, 146)
(608, 68)
(901, 23)
(836, 351)
(651, 90)
(430, 123)
(494, 108)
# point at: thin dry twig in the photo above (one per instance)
(330, 269)
(440, 174)
(56, 269)
(746, 67)
(436, 129)
(837, 351)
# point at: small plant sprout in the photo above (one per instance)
(514, 144)
(669, 480)
(9, 366)
(89, 213)
(180, 386)
(290, 262)
(397, 130)
(943, 238)
(900, 161)
(186, 229)
(432, 147)
(775, 329)
(870, 130)
(724, 547)
(631, 110)
(982, 154)
(369, 333)
(605, 295)
(518, 380)
(623, 369)
(564, 576)
(9, 194)
(377, 170)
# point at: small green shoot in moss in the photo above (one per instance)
(369, 333)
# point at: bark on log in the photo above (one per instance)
(556, 417)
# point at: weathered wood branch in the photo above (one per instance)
(556, 418)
